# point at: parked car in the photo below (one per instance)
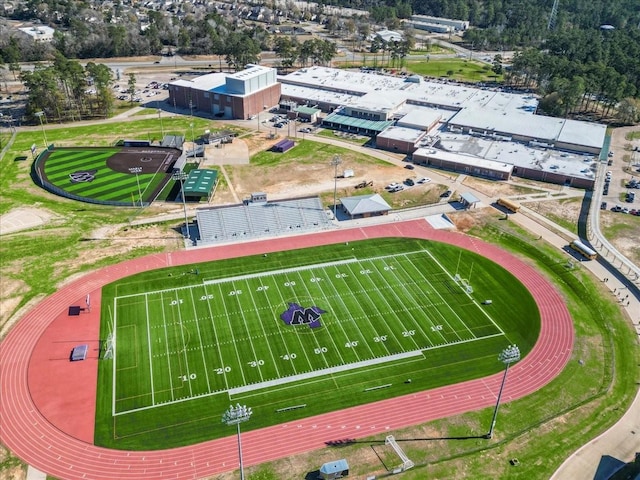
(446, 194)
(603, 206)
(409, 166)
(391, 186)
(424, 180)
(616, 208)
(409, 182)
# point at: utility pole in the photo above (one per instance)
(181, 176)
(335, 162)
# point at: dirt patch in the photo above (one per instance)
(623, 231)
(11, 468)
(495, 188)
(565, 212)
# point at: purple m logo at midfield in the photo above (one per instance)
(298, 315)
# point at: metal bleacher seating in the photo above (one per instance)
(252, 220)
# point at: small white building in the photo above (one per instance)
(389, 36)
(39, 33)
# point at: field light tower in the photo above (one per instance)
(181, 176)
(44, 134)
(335, 162)
(137, 170)
(509, 355)
(235, 416)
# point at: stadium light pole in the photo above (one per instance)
(509, 355)
(44, 134)
(160, 118)
(181, 176)
(335, 162)
(137, 170)
(235, 416)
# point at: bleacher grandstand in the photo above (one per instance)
(247, 221)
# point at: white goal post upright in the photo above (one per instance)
(406, 463)
(109, 343)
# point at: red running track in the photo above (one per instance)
(57, 438)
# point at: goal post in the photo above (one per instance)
(406, 463)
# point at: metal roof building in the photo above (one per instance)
(200, 183)
(365, 205)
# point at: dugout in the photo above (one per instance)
(335, 469)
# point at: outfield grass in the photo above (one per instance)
(189, 341)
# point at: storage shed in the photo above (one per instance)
(335, 469)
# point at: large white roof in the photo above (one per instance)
(583, 133)
(479, 109)
(515, 123)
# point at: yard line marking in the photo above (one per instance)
(352, 318)
(264, 333)
(184, 346)
(245, 323)
(390, 308)
(318, 373)
(204, 360)
(378, 314)
(146, 307)
(233, 337)
(215, 334)
(296, 331)
(166, 344)
(437, 312)
(416, 323)
(437, 292)
(303, 283)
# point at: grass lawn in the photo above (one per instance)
(191, 342)
(455, 69)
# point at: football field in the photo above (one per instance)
(266, 330)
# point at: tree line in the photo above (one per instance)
(584, 72)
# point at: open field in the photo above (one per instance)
(374, 314)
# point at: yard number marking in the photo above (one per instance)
(288, 356)
(320, 350)
(256, 363)
(186, 378)
(223, 370)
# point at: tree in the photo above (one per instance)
(131, 86)
(497, 64)
(241, 50)
(629, 111)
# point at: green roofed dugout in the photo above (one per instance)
(201, 183)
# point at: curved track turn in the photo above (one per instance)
(47, 445)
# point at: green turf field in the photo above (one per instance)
(362, 318)
(107, 185)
